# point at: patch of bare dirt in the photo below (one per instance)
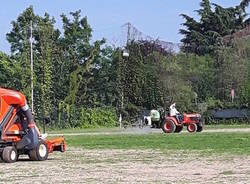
(128, 166)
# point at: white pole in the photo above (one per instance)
(31, 67)
(120, 118)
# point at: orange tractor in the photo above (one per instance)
(175, 124)
(19, 134)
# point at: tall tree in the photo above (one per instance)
(206, 35)
(19, 39)
(81, 54)
(102, 90)
(9, 72)
(46, 38)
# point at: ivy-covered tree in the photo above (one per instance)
(44, 41)
(80, 54)
(46, 37)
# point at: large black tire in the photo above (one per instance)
(168, 126)
(40, 153)
(178, 129)
(200, 125)
(9, 154)
(192, 128)
(199, 128)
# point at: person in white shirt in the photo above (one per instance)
(174, 112)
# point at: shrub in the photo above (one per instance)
(70, 116)
(98, 117)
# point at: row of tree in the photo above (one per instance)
(75, 78)
(206, 35)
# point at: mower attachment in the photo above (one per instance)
(56, 144)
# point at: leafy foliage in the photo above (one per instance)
(206, 35)
(81, 83)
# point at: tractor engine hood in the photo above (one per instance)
(194, 115)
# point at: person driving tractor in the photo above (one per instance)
(174, 112)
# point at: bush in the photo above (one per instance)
(98, 117)
(71, 117)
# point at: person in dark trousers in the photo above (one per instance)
(173, 112)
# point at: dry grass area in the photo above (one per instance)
(128, 166)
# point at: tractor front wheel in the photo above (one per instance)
(168, 126)
(9, 154)
(192, 128)
(40, 153)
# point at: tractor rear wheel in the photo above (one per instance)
(192, 128)
(178, 129)
(40, 153)
(9, 154)
(168, 126)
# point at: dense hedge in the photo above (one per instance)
(71, 117)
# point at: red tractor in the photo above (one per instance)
(19, 134)
(194, 123)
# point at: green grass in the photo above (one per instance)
(231, 143)
(224, 126)
(117, 129)
(80, 130)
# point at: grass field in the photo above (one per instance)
(126, 156)
(79, 130)
(117, 129)
(205, 143)
(230, 126)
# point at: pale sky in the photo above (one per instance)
(156, 18)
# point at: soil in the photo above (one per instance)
(128, 166)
